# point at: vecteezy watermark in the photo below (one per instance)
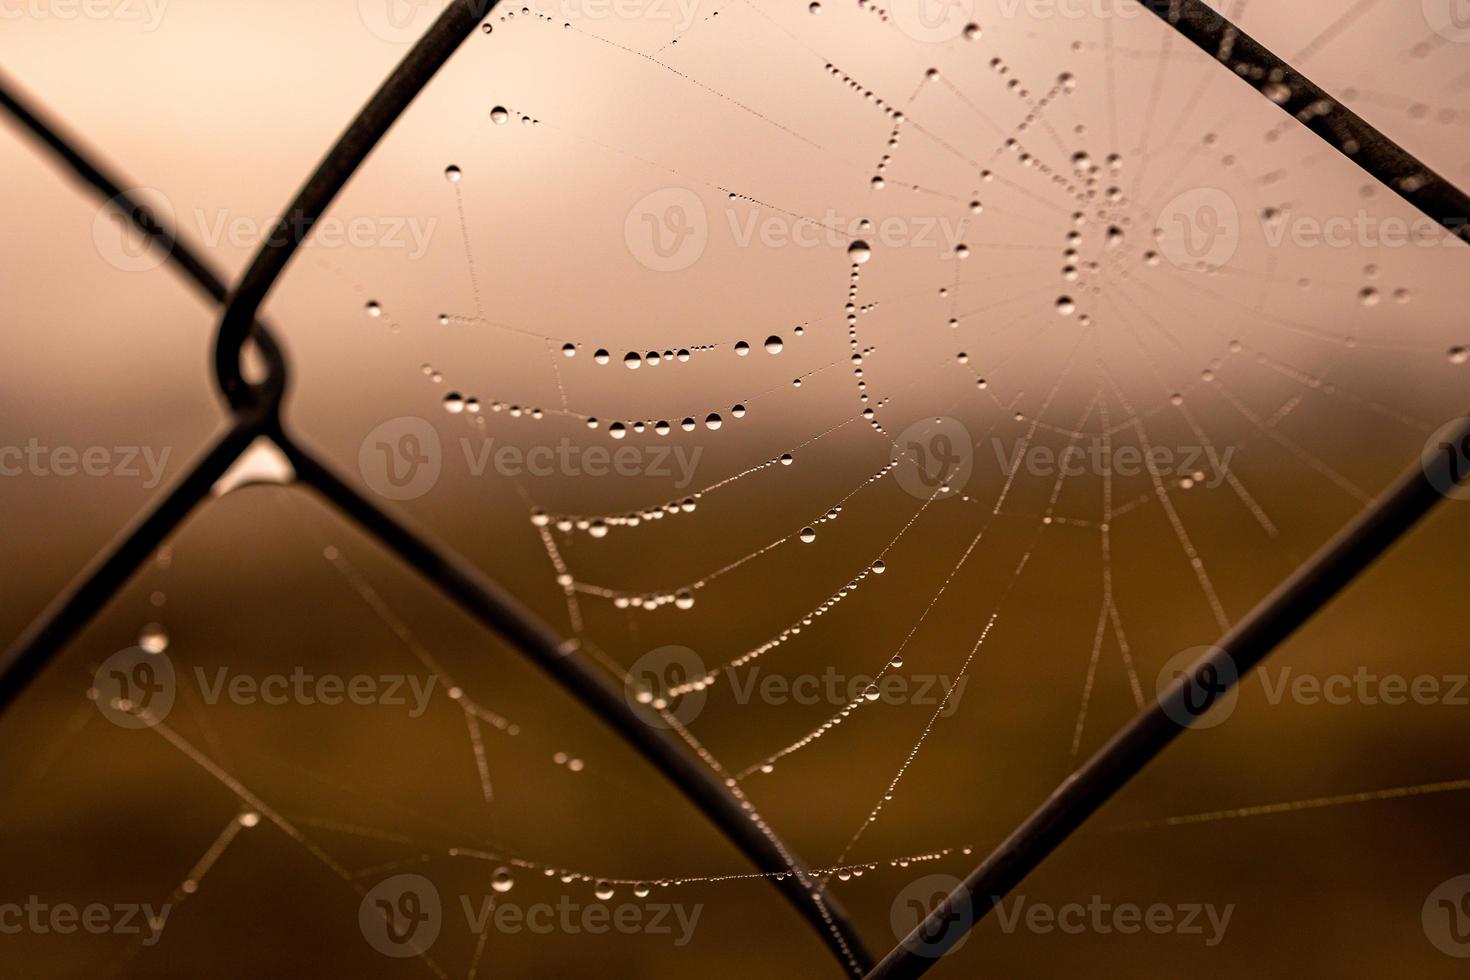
(934, 458)
(1102, 917)
(669, 230)
(660, 671)
(37, 917)
(128, 239)
(403, 915)
(933, 21)
(148, 14)
(302, 687)
(124, 462)
(1090, 10)
(912, 905)
(1449, 19)
(1199, 230)
(679, 14)
(405, 21)
(1446, 917)
(1363, 687)
(402, 459)
(1446, 460)
(1208, 696)
(135, 688)
(835, 688)
(674, 681)
(1200, 465)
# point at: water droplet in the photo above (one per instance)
(742, 348)
(500, 116)
(773, 345)
(972, 32)
(1459, 355)
(1277, 92)
(603, 890)
(859, 252)
(871, 692)
(569, 350)
(598, 528)
(502, 881)
(684, 599)
(452, 174)
(814, 7)
(712, 421)
(153, 638)
(641, 890)
(373, 308)
(454, 403)
(785, 459)
(808, 535)
(1065, 306)
(1369, 296)
(632, 361)
(601, 356)
(879, 568)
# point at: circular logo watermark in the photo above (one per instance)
(1200, 229)
(401, 916)
(935, 458)
(1446, 917)
(120, 240)
(399, 21)
(664, 679)
(912, 905)
(1449, 19)
(1446, 460)
(134, 688)
(667, 230)
(933, 21)
(401, 458)
(1208, 699)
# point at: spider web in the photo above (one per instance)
(924, 269)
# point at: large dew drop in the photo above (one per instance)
(859, 252)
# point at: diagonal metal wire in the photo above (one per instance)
(256, 413)
(1314, 584)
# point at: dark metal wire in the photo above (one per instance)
(1296, 600)
(1322, 113)
(256, 407)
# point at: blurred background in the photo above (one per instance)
(1050, 224)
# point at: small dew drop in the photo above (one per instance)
(454, 403)
(500, 116)
(153, 638)
(502, 881)
(603, 890)
(452, 174)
